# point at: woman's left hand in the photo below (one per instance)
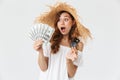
(72, 55)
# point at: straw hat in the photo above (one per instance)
(49, 18)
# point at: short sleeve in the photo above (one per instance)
(78, 62)
(46, 49)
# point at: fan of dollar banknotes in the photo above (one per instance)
(41, 31)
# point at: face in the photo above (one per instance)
(65, 23)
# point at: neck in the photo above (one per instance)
(65, 41)
(65, 38)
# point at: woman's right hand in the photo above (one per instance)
(38, 45)
(42, 60)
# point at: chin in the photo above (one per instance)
(64, 34)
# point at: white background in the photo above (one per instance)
(18, 60)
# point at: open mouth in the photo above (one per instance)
(63, 28)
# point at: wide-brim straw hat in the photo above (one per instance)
(49, 18)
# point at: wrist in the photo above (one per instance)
(40, 50)
(68, 60)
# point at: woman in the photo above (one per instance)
(58, 60)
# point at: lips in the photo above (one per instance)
(63, 29)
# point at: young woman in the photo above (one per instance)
(58, 60)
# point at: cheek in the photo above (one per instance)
(58, 26)
(69, 25)
(69, 29)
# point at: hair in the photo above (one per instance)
(57, 36)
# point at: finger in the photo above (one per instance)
(71, 56)
(72, 49)
(74, 55)
(38, 42)
(36, 47)
(75, 50)
(72, 59)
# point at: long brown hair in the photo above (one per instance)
(57, 36)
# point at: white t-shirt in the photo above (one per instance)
(57, 68)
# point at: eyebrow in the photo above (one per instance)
(67, 16)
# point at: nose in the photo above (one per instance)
(62, 22)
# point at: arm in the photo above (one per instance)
(71, 68)
(42, 60)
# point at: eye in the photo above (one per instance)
(66, 19)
